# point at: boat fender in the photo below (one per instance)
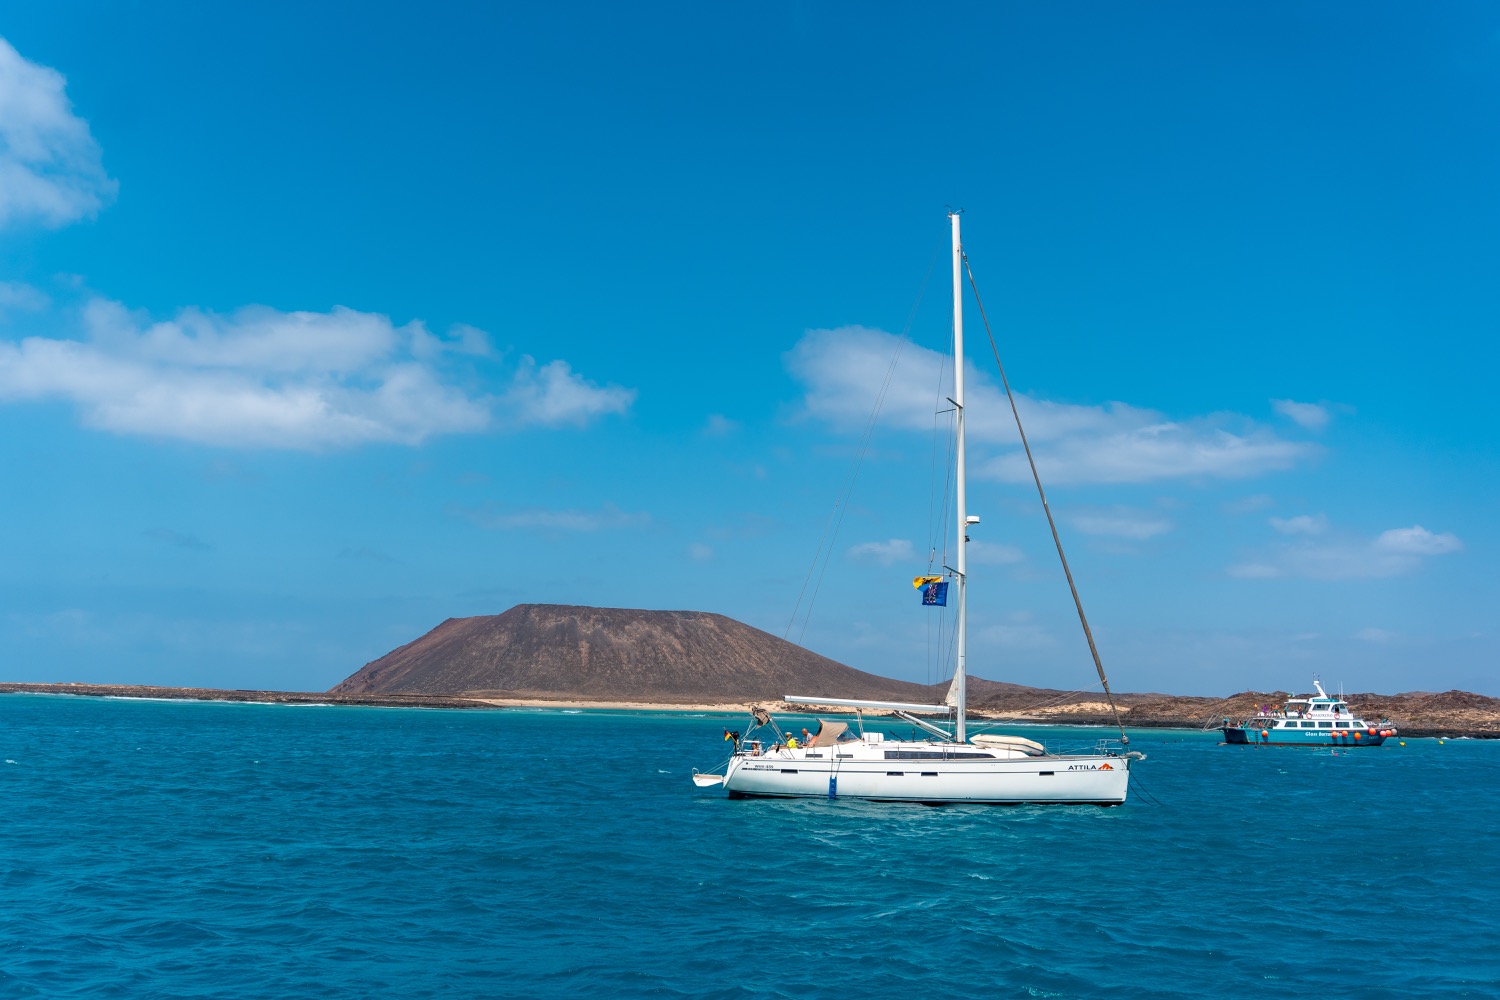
(1265, 734)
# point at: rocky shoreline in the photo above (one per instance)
(1416, 714)
(1448, 714)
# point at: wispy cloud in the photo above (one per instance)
(50, 167)
(1121, 522)
(994, 553)
(719, 425)
(700, 552)
(1313, 416)
(885, 553)
(1374, 635)
(605, 518)
(843, 371)
(18, 297)
(1248, 505)
(1302, 524)
(1392, 553)
(1018, 631)
(261, 378)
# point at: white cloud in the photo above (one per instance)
(886, 553)
(1392, 553)
(1417, 541)
(50, 167)
(1302, 524)
(1121, 523)
(462, 339)
(553, 394)
(700, 552)
(1310, 415)
(261, 378)
(605, 518)
(844, 370)
(1373, 635)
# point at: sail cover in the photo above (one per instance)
(828, 733)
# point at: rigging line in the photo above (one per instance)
(1056, 539)
(840, 508)
(932, 509)
(937, 526)
(817, 553)
(843, 506)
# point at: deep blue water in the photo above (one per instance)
(156, 849)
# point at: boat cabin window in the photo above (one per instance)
(1341, 725)
(1325, 725)
(1309, 725)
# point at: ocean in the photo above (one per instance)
(183, 849)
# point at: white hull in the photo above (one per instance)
(883, 772)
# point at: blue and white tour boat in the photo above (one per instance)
(1318, 720)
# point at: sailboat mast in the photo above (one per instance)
(960, 685)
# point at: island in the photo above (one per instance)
(587, 657)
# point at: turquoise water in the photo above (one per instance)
(156, 849)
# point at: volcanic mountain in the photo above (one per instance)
(560, 652)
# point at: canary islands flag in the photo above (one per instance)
(935, 594)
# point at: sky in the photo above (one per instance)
(321, 323)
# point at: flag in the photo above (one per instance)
(935, 594)
(731, 736)
(921, 581)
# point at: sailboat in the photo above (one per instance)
(946, 765)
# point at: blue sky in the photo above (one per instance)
(322, 323)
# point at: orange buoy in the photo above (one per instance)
(1357, 735)
(1265, 735)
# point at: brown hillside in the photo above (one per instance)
(608, 654)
